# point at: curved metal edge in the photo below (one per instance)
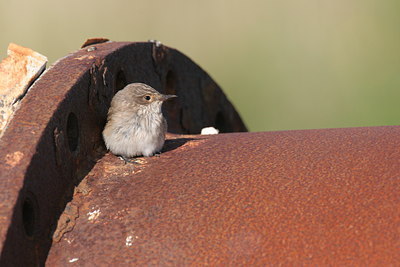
(311, 197)
(55, 136)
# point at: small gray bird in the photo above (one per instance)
(135, 124)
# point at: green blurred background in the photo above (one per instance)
(293, 64)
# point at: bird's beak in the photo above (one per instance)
(166, 97)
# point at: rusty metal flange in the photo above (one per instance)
(55, 136)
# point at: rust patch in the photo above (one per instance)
(194, 143)
(83, 188)
(84, 57)
(13, 159)
(67, 221)
(93, 41)
(18, 71)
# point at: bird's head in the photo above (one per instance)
(140, 97)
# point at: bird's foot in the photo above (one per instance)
(130, 160)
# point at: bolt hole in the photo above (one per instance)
(29, 216)
(120, 81)
(72, 132)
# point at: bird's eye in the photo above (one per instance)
(147, 97)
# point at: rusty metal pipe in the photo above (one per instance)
(316, 197)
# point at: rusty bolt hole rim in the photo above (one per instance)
(30, 215)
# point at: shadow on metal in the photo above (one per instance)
(54, 139)
(314, 197)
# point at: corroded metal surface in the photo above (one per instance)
(317, 197)
(93, 41)
(17, 72)
(54, 138)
